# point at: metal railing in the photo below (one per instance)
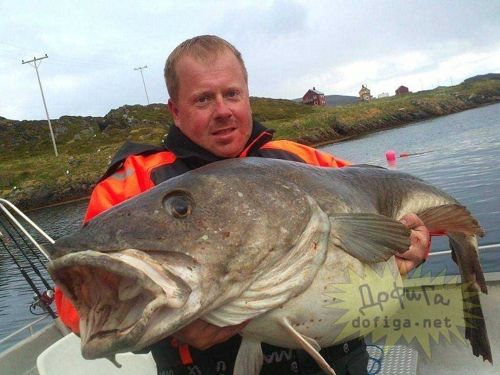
(488, 276)
(28, 327)
(16, 223)
(484, 247)
(3, 206)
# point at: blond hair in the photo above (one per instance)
(204, 48)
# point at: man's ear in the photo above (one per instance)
(174, 110)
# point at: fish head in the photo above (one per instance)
(147, 267)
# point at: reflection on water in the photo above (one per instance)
(458, 153)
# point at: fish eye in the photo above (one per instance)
(178, 205)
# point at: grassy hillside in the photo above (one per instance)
(32, 176)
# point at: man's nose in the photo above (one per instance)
(222, 110)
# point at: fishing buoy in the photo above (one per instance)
(390, 155)
(404, 154)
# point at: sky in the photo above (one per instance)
(288, 47)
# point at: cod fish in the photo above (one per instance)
(251, 239)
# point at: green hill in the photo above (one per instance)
(483, 77)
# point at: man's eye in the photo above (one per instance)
(233, 94)
(202, 99)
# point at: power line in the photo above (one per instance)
(17, 47)
(61, 60)
(36, 63)
(90, 63)
(140, 69)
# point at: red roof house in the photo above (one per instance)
(402, 90)
(314, 97)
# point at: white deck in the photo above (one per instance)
(50, 363)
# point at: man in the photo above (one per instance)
(209, 101)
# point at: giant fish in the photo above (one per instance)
(254, 240)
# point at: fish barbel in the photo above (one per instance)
(251, 239)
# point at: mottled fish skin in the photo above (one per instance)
(202, 244)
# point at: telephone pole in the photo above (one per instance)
(144, 83)
(36, 63)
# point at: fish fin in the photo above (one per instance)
(250, 358)
(312, 342)
(369, 237)
(112, 359)
(450, 218)
(464, 248)
(475, 326)
(461, 227)
(308, 344)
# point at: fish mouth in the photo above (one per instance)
(116, 294)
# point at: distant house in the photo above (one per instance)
(364, 93)
(383, 95)
(314, 97)
(401, 90)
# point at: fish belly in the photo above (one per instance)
(320, 316)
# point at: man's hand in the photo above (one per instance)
(420, 245)
(203, 335)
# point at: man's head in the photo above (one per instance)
(203, 48)
(208, 87)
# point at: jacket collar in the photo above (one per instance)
(196, 156)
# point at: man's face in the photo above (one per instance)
(213, 107)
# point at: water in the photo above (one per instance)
(458, 153)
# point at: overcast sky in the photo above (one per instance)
(288, 47)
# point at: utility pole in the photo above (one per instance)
(36, 63)
(144, 83)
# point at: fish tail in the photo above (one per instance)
(475, 326)
(462, 228)
(464, 248)
(450, 218)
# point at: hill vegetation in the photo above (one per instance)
(31, 176)
(335, 100)
(483, 77)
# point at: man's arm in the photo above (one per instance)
(203, 335)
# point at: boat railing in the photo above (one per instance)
(483, 247)
(17, 239)
(28, 327)
(489, 276)
(9, 209)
